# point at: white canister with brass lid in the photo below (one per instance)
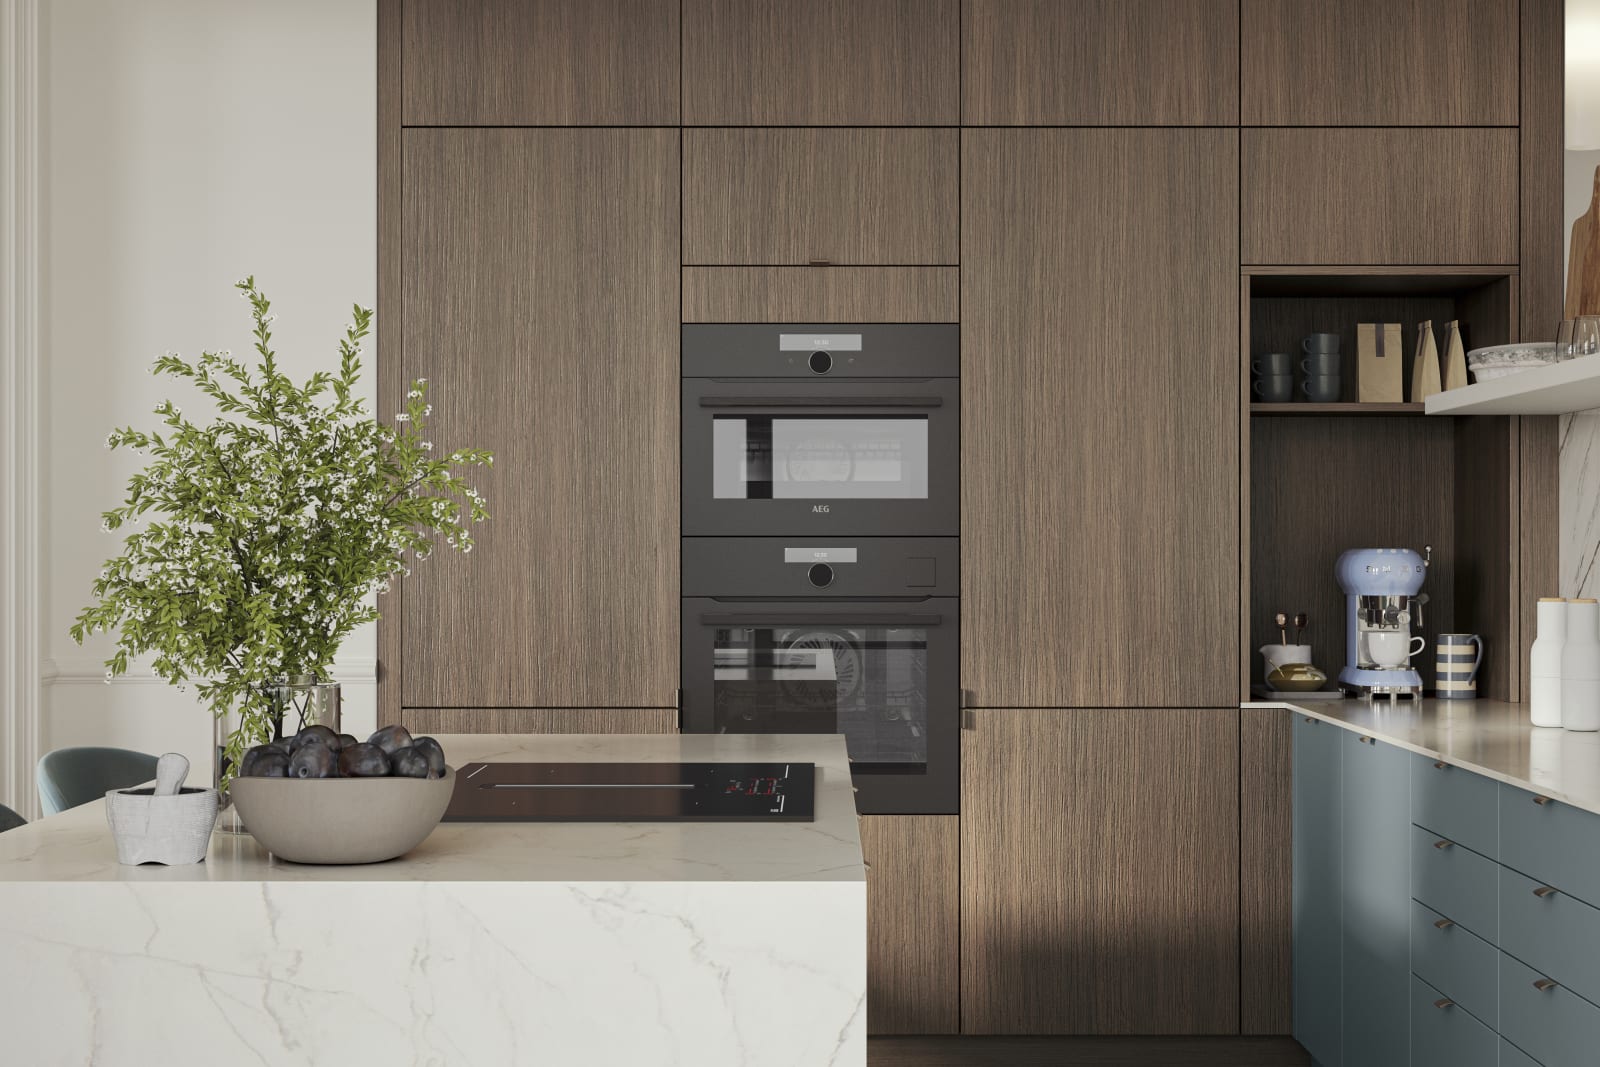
(1580, 666)
(1544, 671)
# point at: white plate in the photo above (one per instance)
(1531, 353)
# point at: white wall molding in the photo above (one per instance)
(21, 403)
(87, 670)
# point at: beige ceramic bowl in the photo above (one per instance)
(341, 820)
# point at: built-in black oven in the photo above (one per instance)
(821, 429)
(849, 636)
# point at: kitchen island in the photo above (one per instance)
(491, 943)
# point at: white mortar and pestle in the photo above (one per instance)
(167, 824)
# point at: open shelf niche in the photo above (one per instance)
(1322, 478)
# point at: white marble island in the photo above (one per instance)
(491, 943)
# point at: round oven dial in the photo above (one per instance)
(821, 362)
(820, 575)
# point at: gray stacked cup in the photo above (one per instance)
(1274, 382)
(1320, 381)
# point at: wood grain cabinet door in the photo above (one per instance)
(795, 196)
(1379, 63)
(541, 302)
(1100, 417)
(821, 63)
(1100, 62)
(913, 923)
(1100, 872)
(1360, 196)
(540, 62)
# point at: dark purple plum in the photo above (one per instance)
(270, 764)
(435, 753)
(316, 734)
(247, 762)
(391, 739)
(346, 740)
(410, 763)
(363, 761)
(313, 761)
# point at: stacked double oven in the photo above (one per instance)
(820, 549)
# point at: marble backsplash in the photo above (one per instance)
(1580, 504)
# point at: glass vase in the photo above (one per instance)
(297, 701)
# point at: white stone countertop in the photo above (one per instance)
(1490, 737)
(76, 845)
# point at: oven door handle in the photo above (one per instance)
(768, 618)
(822, 401)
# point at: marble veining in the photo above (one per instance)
(1580, 504)
(76, 845)
(1489, 737)
(550, 944)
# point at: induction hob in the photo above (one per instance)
(633, 792)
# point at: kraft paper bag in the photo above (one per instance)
(1455, 356)
(1425, 370)
(1380, 377)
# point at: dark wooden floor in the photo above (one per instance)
(1085, 1052)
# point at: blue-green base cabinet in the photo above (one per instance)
(1441, 918)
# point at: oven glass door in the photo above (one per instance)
(819, 457)
(883, 678)
(848, 457)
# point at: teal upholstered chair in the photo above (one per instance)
(72, 776)
(10, 820)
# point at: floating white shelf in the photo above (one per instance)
(1554, 390)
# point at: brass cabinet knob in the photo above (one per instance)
(1541, 800)
(1444, 1002)
(1366, 740)
(1444, 924)
(1439, 765)
(1544, 985)
(1441, 843)
(1545, 891)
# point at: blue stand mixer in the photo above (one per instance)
(1383, 598)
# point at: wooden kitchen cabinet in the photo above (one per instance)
(1100, 871)
(540, 300)
(1371, 196)
(1099, 63)
(796, 196)
(1379, 63)
(1100, 417)
(540, 62)
(913, 923)
(821, 63)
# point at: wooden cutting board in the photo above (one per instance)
(1583, 269)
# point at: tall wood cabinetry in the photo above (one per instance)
(1100, 417)
(530, 273)
(1099, 871)
(1118, 202)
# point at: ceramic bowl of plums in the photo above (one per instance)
(325, 797)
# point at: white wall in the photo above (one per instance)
(187, 143)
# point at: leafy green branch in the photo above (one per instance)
(269, 528)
